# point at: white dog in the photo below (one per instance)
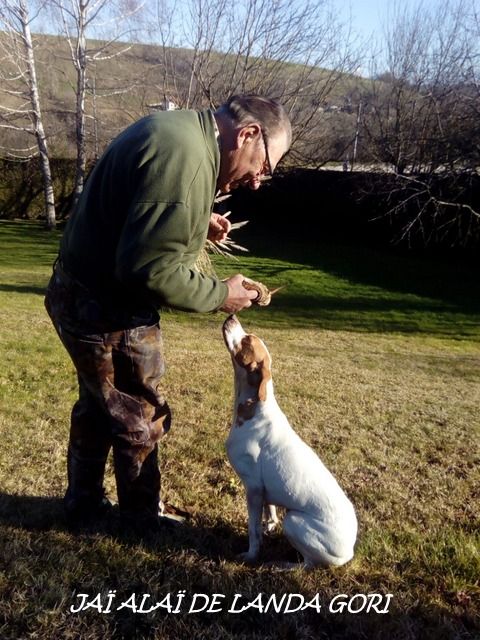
(278, 468)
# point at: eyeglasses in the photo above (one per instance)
(267, 156)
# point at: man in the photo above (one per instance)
(127, 251)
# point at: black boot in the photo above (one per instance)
(85, 502)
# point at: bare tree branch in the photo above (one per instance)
(296, 52)
(77, 19)
(421, 116)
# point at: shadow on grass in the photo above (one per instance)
(343, 287)
(190, 558)
(365, 314)
(21, 288)
(449, 278)
(33, 513)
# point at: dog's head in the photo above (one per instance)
(251, 360)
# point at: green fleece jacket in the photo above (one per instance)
(144, 213)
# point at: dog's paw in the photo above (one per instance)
(247, 558)
(269, 526)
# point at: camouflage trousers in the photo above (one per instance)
(120, 406)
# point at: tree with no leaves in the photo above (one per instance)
(420, 119)
(20, 109)
(295, 52)
(79, 19)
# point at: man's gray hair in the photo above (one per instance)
(268, 113)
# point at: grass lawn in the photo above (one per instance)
(376, 363)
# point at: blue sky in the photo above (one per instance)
(366, 14)
(369, 15)
(368, 19)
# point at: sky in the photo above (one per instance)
(368, 16)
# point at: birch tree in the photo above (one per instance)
(80, 20)
(20, 108)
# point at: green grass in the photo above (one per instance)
(375, 361)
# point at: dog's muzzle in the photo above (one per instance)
(232, 332)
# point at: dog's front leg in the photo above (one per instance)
(255, 507)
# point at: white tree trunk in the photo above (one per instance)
(80, 62)
(38, 129)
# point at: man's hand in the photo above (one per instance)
(238, 297)
(219, 228)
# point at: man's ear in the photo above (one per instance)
(248, 133)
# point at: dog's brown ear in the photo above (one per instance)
(266, 376)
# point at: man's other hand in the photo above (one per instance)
(218, 228)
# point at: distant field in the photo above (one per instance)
(376, 361)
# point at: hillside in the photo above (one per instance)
(133, 78)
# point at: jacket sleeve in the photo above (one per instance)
(155, 257)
